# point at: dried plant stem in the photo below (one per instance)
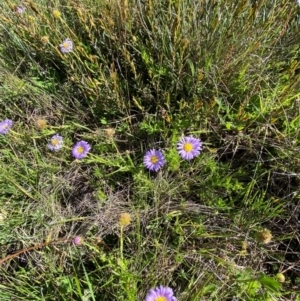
(41, 245)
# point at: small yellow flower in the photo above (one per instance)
(56, 14)
(45, 40)
(31, 19)
(124, 219)
(264, 236)
(41, 124)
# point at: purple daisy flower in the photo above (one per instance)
(5, 125)
(189, 147)
(56, 143)
(154, 160)
(20, 9)
(78, 240)
(66, 46)
(80, 149)
(161, 293)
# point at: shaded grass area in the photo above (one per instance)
(141, 75)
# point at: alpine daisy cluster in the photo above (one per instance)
(188, 148)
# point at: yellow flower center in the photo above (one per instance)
(65, 45)
(154, 159)
(188, 147)
(80, 149)
(4, 126)
(160, 298)
(55, 142)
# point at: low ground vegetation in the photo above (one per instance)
(98, 200)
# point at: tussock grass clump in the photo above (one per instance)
(153, 144)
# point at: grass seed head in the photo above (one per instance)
(264, 236)
(110, 132)
(41, 123)
(45, 40)
(124, 219)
